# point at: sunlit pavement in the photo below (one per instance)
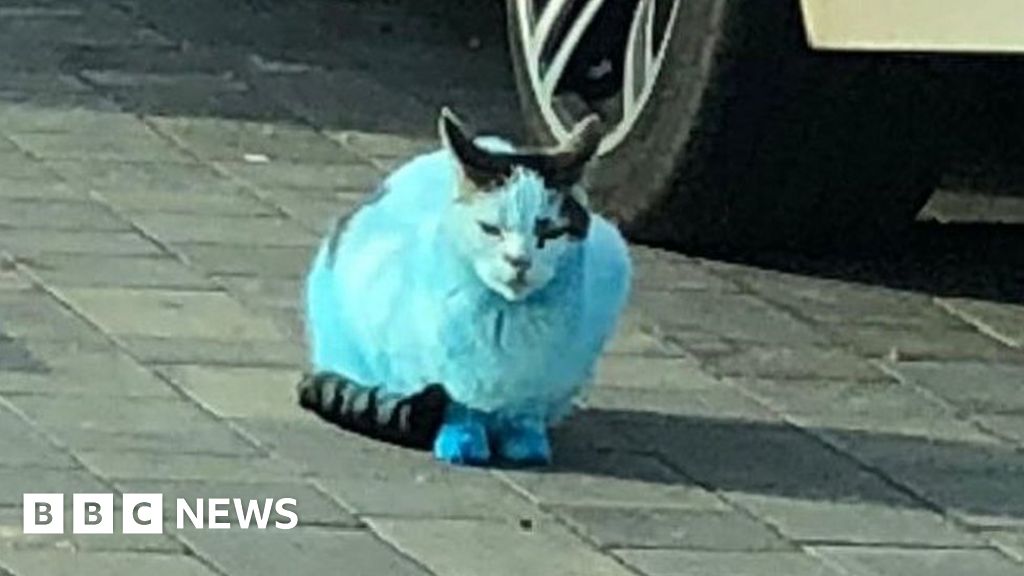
(166, 168)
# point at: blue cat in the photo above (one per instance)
(479, 267)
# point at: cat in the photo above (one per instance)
(481, 268)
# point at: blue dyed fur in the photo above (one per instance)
(417, 292)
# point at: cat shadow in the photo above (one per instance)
(777, 460)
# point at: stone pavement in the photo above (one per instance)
(165, 170)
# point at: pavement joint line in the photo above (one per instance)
(181, 391)
(577, 531)
(971, 418)
(976, 323)
(862, 464)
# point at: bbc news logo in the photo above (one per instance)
(144, 513)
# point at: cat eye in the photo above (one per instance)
(490, 229)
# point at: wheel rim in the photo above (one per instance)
(552, 32)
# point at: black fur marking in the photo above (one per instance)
(411, 421)
(577, 216)
(558, 169)
(341, 224)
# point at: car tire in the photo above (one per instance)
(751, 140)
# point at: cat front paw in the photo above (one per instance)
(524, 444)
(463, 443)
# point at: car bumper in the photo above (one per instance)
(966, 26)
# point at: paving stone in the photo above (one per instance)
(374, 478)
(645, 372)
(193, 181)
(63, 113)
(320, 216)
(911, 345)
(499, 549)
(15, 482)
(382, 145)
(264, 291)
(168, 466)
(98, 25)
(610, 478)
(312, 506)
(300, 551)
(21, 446)
(886, 519)
(170, 314)
(593, 429)
(701, 344)
(16, 359)
(737, 317)
(910, 562)
(199, 351)
(705, 563)
(41, 188)
(228, 140)
(241, 392)
(35, 314)
(264, 261)
(1002, 318)
(979, 483)
(721, 401)
(13, 539)
(353, 176)
(137, 146)
(883, 408)
(347, 98)
(31, 242)
(839, 303)
(195, 228)
(17, 166)
(758, 457)
(228, 201)
(663, 271)
(86, 270)
(1010, 543)
(42, 82)
(974, 386)
(148, 424)
(11, 279)
(1007, 425)
(805, 363)
(51, 214)
(69, 563)
(86, 372)
(614, 527)
(636, 334)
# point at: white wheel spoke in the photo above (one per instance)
(572, 39)
(551, 18)
(637, 60)
(549, 39)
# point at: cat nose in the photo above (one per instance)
(519, 263)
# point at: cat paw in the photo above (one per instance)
(524, 444)
(462, 443)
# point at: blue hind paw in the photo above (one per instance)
(462, 439)
(524, 443)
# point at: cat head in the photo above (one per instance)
(517, 213)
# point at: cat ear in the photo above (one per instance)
(478, 167)
(569, 159)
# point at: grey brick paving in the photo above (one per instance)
(705, 563)
(909, 562)
(67, 563)
(497, 548)
(614, 527)
(163, 182)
